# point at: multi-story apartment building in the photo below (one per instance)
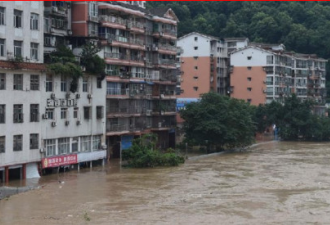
(141, 4)
(262, 73)
(42, 124)
(139, 47)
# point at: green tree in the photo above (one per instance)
(219, 121)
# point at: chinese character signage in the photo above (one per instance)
(59, 161)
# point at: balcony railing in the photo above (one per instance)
(117, 127)
(112, 19)
(166, 61)
(136, 25)
(116, 55)
(167, 47)
(116, 91)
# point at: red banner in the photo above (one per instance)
(61, 160)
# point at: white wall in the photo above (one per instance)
(24, 34)
(188, 43)
(258, 57)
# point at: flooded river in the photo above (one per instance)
(272, 183)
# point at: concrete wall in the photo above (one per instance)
(188, 45)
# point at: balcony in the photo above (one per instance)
(167, 49)
(136, 27)
(58, 11)
(113, 21)
(163, 123)
(165, 33)
(118, 92)
(166, 63)
(117, 127)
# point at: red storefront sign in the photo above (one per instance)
(59, 161)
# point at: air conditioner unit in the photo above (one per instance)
(148, 112)
(181, 79)
(42, 150)
(77, 96)
(45, 116)
(162, 96)
(67, 95)
(78, 122)
(265, 82)
(55, 9)
(162, 113)
(52, 96)
(160, 124)
(89, 96)
(67, 123)
(104, 146)
(54, 124)
(265, 91)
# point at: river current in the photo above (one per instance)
(271, 183)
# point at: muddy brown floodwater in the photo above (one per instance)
(272, 183)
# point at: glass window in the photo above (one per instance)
(18, 114)
(85, 144)
(63, 113)
(18, 48)
(85, 84)
(96, 142)
(75, 113)
(92, 9)
(2, 113)
(34, 51)
(2, 144)
(18, 81)
(63, 145)
(50, 146)
(50, 113)
(2, 81)
(34, 82)
(34, 113)
(99, 112)
(18, 18)
(34, 141)
(74, 144)
(87, 113)
(2, 16)
(34, 21)
(2, 47)
(17, 142)
(49, 83)
(64, 84)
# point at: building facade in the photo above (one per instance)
(139, 47)
(263, 73)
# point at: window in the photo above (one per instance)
(85, 84)
(34, 82)
(34, 21)
(249, 89)
(50, 146)
(75, 113)
(196, 88)
(195, 57)
(17, 142)
(63, 113)
(63, 145)
(85, 144)
(64, 84)
(249, 100)
(2, 81)
(18, 18)
(87, 113)
(34, 141)
(195, 78)
(18, 81)
(249, 68)
(269, 59)
(74, 144)
(34, 113)
(18, 114)
(2, 16)
(99, 83)
(50, 113)
(196, 38)
(92, 9)
(34, 51)
(249, 57)
(2, 113)
(99, 112)
(2, 144)
(18, 48)
(249, 78)
(96, 142)
(196, 67)
(196, 48)
(2, 47)
(49, 83)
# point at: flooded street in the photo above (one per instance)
(272, 183)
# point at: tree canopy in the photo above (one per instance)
(219, 121)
